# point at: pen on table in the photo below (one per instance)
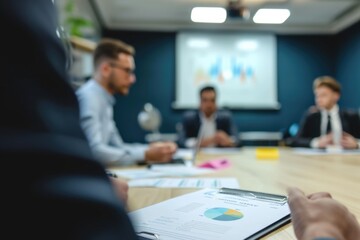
(111, 174)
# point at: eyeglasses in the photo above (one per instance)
(129, 71)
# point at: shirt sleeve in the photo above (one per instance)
(127, 154)
(122, 153)
(114, 152)
(190, 142)
(314, 143)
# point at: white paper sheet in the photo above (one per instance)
(161, 170)
(137, 173)
(330, 151)
(184, 153)
(210, 150)
(208, 215)
(179, 169)
(185, 182)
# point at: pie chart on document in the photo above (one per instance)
(223, 214)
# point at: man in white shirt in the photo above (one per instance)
(328, 126)
(114, 73)
(216, 126)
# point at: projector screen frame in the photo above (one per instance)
(183, 36)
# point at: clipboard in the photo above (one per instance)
(269, 197)
(147, 236)
(186, 228)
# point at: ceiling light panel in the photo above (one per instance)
(271, 16)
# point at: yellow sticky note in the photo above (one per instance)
(267, 153)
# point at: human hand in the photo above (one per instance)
(160, 152)
(170, 145)
(326, 140)
(348, 141)
(206, 142)
(319, 215)
(121, 188)
(223, 139)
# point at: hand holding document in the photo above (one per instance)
(211, 214)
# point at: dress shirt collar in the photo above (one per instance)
(203, 118)
(333, 111)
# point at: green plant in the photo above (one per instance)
(75, 24)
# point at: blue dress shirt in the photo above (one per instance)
(96, 116)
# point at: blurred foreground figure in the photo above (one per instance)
(53, 188)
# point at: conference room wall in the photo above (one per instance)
(348, 63)
(301, 58)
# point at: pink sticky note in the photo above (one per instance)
(216, 164)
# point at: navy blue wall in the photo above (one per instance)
(300, 60)
(348, 65)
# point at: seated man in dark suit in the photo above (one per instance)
(218, 128)
(328, 125)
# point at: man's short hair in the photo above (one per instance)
(327, 81)
(206, 89)
(109, 48)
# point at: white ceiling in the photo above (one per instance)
(307, 16)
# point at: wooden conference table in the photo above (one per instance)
(338, 174)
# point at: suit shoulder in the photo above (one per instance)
(190, 114)
(224, 113)
(312, 112)
(350, 113)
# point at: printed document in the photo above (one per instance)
(209, 215)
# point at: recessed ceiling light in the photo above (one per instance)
(271, 16)
(208, 14)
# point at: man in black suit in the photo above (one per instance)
(217, 126)
(327, 125)
(52, 186)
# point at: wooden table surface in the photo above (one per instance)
(335, 173)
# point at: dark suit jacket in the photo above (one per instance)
(52, 188)
(311, 124)
(190, 125)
